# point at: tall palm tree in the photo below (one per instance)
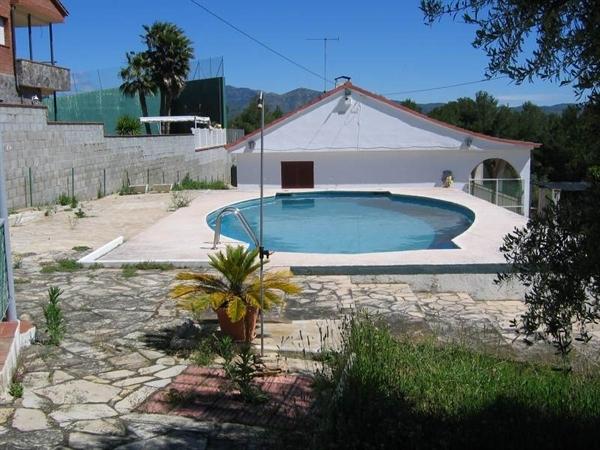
(137, 79)
(169, 54)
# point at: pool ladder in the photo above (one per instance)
(241, 218)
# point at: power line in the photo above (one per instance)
(466, 83)
(262, 44)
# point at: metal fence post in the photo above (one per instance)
(104, 181)
(497, 189)
(30, 188)
(12, 307)
(72, 182)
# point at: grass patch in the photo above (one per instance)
(381, 392)
(187, 184)
(151, 265)
(81, 248)
(130, 270)
(62, 265)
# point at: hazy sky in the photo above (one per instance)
(384, 45)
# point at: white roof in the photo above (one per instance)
(352, 119)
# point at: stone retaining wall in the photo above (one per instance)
(41, 157)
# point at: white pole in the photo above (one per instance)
(261, 249)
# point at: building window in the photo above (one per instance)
(3, 23)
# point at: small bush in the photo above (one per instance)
(204, 355)
(62, 265)
(81, 248)
(187, 184)
(17, 261)
(80, 213)
(179, 200)
(74, 202)
(64, 199)
(128, 126)
(16, 389)
(49, 210)
(55, 322)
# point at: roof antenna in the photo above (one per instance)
(325, 39)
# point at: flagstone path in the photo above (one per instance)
(118, 354)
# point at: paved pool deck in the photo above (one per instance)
(185, 239)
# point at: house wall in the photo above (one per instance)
(417, 167)
(6, 56)
(54, 151)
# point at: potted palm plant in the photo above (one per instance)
(234, 293)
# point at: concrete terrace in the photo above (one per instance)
(184, 237)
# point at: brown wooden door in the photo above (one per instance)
(297, 174)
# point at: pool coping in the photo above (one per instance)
(184, 238)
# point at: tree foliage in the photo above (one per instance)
(138, 79)
(249, 118)
(556, 257)
(569, 140)
(169, 54)
(411, 104)
(552, 40)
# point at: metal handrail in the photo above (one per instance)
(241, 218)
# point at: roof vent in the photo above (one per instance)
(341, 80)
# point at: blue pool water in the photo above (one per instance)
(350, 222)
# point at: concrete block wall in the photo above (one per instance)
(52, 152)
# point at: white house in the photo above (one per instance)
(349, 136)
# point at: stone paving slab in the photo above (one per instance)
(123, 346)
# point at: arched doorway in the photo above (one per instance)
(497, 181)
(494, 168)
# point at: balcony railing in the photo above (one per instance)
(37, 75)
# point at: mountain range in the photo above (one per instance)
(238, 98)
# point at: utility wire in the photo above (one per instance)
(447, 86)
(262, 44)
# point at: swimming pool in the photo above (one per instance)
(349, 222)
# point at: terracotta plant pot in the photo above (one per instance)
(242, 330)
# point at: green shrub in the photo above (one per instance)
(204, 354)
(379, 391)
(55, 322)
(16, 389)
(62, 265)
(128, 126)
(187, 184)
(64, 199)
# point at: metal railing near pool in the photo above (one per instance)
(241, 218)
(504, 192)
